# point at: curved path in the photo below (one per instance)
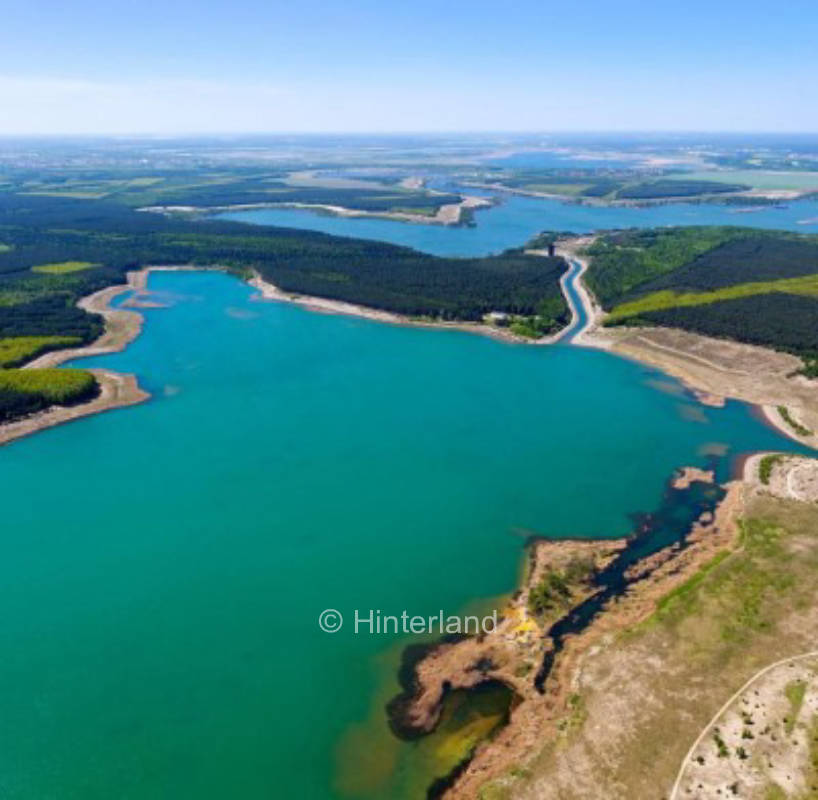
(674, 792)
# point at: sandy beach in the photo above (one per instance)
(117, 390)
(269, 291)
(713, 369)
(449, 214)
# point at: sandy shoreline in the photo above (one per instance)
(707, 367)
(510, 653)
(717, 370)
(117, 390)
(771, 195)
(122, 326)
(712, 369)
(450, 214)
(324, 305)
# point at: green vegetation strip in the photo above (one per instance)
(16, 350)
(766, 465)
(26, 391)
(795, 692)
(659, 301)
(624, 260)
(56, 385)
(743, 580)
(668, 187)
(793, 423)
(63, 267)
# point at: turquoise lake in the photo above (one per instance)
(164, 566)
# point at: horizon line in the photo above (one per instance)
(397, 132)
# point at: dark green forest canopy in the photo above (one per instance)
(49, 230)
(610, 184)
(786, 322)
(28, 391)
(632, 263)
(629, 265)
(111, 239)
(755, 258)
(669, 187)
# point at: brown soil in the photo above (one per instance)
(513, 652)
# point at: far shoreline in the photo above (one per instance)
(123, 326)
(448, 215)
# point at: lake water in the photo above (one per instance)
(518, 218)
(163, 566)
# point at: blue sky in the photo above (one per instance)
(179, 66)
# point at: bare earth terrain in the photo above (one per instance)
(763, 743)
(640, 691)
(719, 369)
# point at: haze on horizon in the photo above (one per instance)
(366, 66)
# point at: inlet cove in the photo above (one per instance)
(183, 558)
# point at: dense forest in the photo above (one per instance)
(90, 244)
(754, 286)
(622, 261)
(760, 257)
(26, 391)
(676, 187)
(390, 277)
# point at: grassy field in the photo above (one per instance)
(648, 691)
(27, 391)
(56, 385)
(420, 211)
(63, 267)
(16, 350)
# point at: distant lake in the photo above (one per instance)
(518, 218)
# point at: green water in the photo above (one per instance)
(163, 566)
